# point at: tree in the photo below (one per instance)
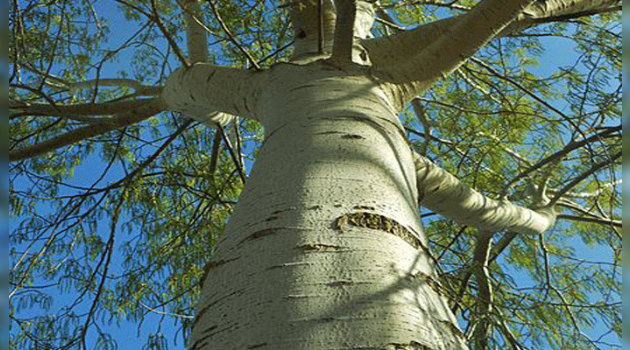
(325, 248)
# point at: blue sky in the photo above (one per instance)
(131, 336)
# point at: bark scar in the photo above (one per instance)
(319, 247)
(376, 222)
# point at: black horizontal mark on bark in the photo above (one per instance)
(412, 345)
(256, 346)
(328, 133)
(198, 344)
(207, 307)
(201, 343)
(352, 136)
(340, 283)
(303, 87)
(283, 210)
(260, 234)
(209, 329)
(211, 265)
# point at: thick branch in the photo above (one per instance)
(143, 90)
(344, 30)
(203, 90)
(78, 110)
(134, 115)
(321, 31)
(313, 24)
(196, 37)
(456, 44)
(445, 194)
(561, 10)
(389, 52)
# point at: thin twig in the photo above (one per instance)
(228, 144)
(584, 175)
(573, 145)
(232, 38)
(156, 17)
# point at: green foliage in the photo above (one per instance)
(488, 125)
(77, 269)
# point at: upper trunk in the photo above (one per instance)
(325, 248)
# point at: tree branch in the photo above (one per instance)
(171, 41)
(79, 110)
(134, 84)
(595, 220)
(571, 146)
(389, 52)
(454, 46)
(137, 114)
(344, 30)
(233, 155)
(445, 194)
(313, 23)
(480, 265)
(526, 91)
(203, 90)
(232, 38)
(196, 31)
(584, 175)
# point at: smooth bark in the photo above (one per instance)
(193, 92)
(324, 249)
(445, 194)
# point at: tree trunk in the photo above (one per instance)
(325, 249)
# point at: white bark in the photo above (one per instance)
(446, 52)
(310, 30)
(555, 8)
(325, 249)
(344, 30)
(445, 194)
(193, 92)
(196, 31)
(393, 49)
(433, 50)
